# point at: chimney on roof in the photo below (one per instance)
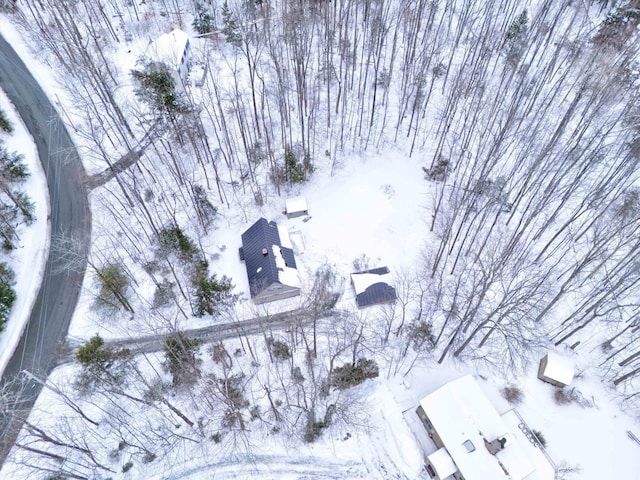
(497, 445)
(265, 251)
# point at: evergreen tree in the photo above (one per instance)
(203, 21)
(231, 28)
(350, 375)
(5, 124)
(158, 88)
(7, 299)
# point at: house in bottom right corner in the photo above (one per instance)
(474, 442)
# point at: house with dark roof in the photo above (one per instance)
(373, 287)
(271, 265)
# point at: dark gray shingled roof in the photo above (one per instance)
(379, 292)
(261, 269)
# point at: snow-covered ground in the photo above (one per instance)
(590, 439)
(28, 260)
(374, 205)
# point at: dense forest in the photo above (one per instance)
(524, 117)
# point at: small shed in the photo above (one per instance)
(296, 207)
(556, 370)
(373, 287)
(172, 49)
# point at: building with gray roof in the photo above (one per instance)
(270, 262)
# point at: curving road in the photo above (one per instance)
(70, 215)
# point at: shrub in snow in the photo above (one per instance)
(210, 293)
(297, 167)
(420, 335)
(231, 28)
(313, 428)
(5, 124)
(174, 240)
(564, 397)
(617, 27)
(279, 349)
(361, 263)
(180, 358)
(513, 395)
(101, 365)
(157, 88)
(7, 298)
(540, 437)
(437, 172)
(350, 375)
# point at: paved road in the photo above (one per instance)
(70, 215)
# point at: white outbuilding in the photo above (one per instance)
(556, 370)
(172, 49)
(296, 207)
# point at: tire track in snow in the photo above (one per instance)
(276, 467)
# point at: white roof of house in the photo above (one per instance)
(460, 412)
(442, 462)
(559, 368)
(296, 204)
(169, 48)
(521, 434)
(362, 281)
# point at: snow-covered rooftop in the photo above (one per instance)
(544, 470)
(461, 413)
(373, 287)
(283, 233)
(296, 204)
(287, 275)
(362, 281)
(559, 368)
(169, 48)
(443, 463)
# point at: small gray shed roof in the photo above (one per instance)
(372, 287)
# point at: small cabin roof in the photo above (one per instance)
(169, 48)
(373, 287)
(296, 204)
(559, 368)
